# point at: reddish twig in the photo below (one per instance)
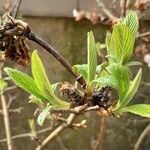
(101, 133)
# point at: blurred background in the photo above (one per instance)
(64, 25)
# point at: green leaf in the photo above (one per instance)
(99, 47)
(24, 81)
(132, 89)
(44, 84)
(133, 63)
(107, 41)
(92, 57)
(139, 109)
(121, 44)
(120, 74)
(131, 20)
(81, 69)
(55, 86)
(3, 84)
(33, 99)
(107, 81)
(100, 68)
(42, 116)
(39, 75)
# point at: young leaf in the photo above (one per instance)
(120, 74)
(131, 20)
(138, 109)
(107, 41)
(81, 69)
(92, 57)
(131, 90)
(107, 81)
(44, 84)
(99, 46)
(42, 116)
(55, 86)
(39, 74)
(121, 44)
(24, 81)
(133, 63)
(3, 84)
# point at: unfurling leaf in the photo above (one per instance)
(81, 69)
(130, 91)
(121, 44)
(92, 57)
(133, 63)
(42, 116)
(131, 20)
(121, 76)
(138, 109)
(55, 86)
(106, 81)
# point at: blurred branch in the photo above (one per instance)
(63, 126)
(141, 138)
(104, 9)
(101, 133)
(16, 8)
(27, 135)
(17, 110)
(146, 83)
(144, 34)
(123, 8)
(6, 121)
(7, 4)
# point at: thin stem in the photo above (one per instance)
(33, 37)
(53, 135)
(141, 137)
(101, 133)
(6, 121)
(106, 11)
(24, 135)
(144, 34)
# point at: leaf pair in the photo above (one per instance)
(39, 85)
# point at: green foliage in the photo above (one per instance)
(120, 74)
(121, 44)
(117, 73)
(39, 86)
(131, 20)
(24, 81)
(133, 63)
(91, 57)
(81, 69)
(138, 109)
(107, 80)
(130, 91)
(114, 73)
(3, 84)
(42, 116)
